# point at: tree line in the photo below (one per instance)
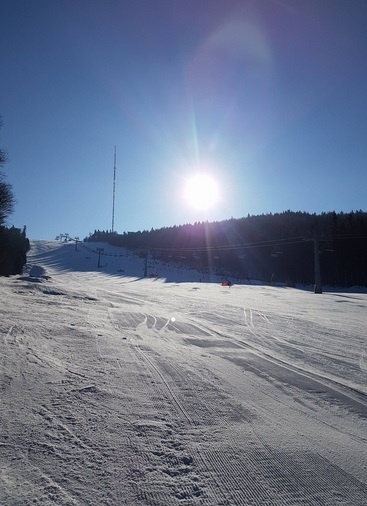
(270, 247)
(13, 241)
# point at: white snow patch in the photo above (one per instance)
(119, 389)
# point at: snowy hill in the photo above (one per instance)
(107, 259)
(123, 390)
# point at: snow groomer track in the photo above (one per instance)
(118, 390)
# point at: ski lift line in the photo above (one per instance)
(238, 246)
(218, 248)
(349, 236)
(250, 245)
(271, 243)
(228, 247)
(205, 249)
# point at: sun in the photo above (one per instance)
(201, 191)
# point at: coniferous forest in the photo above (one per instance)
(273, 248)
(13, 250)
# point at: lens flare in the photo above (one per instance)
(201, 191)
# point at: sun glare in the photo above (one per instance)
(201, 191)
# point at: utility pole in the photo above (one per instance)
(146, 264)
(99, 251)
(316, 251)
(113, 192)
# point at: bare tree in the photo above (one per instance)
(3, 155)
(6, 200)
(6, 193)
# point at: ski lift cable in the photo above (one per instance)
(252, 245)
(238, 246)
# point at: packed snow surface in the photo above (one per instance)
(122, 390)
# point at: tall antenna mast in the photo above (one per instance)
(114, 190)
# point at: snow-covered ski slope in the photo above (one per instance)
(107, 259)
(120, 390)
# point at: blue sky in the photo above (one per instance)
(269, 96)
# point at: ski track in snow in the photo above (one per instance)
(118, 390)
